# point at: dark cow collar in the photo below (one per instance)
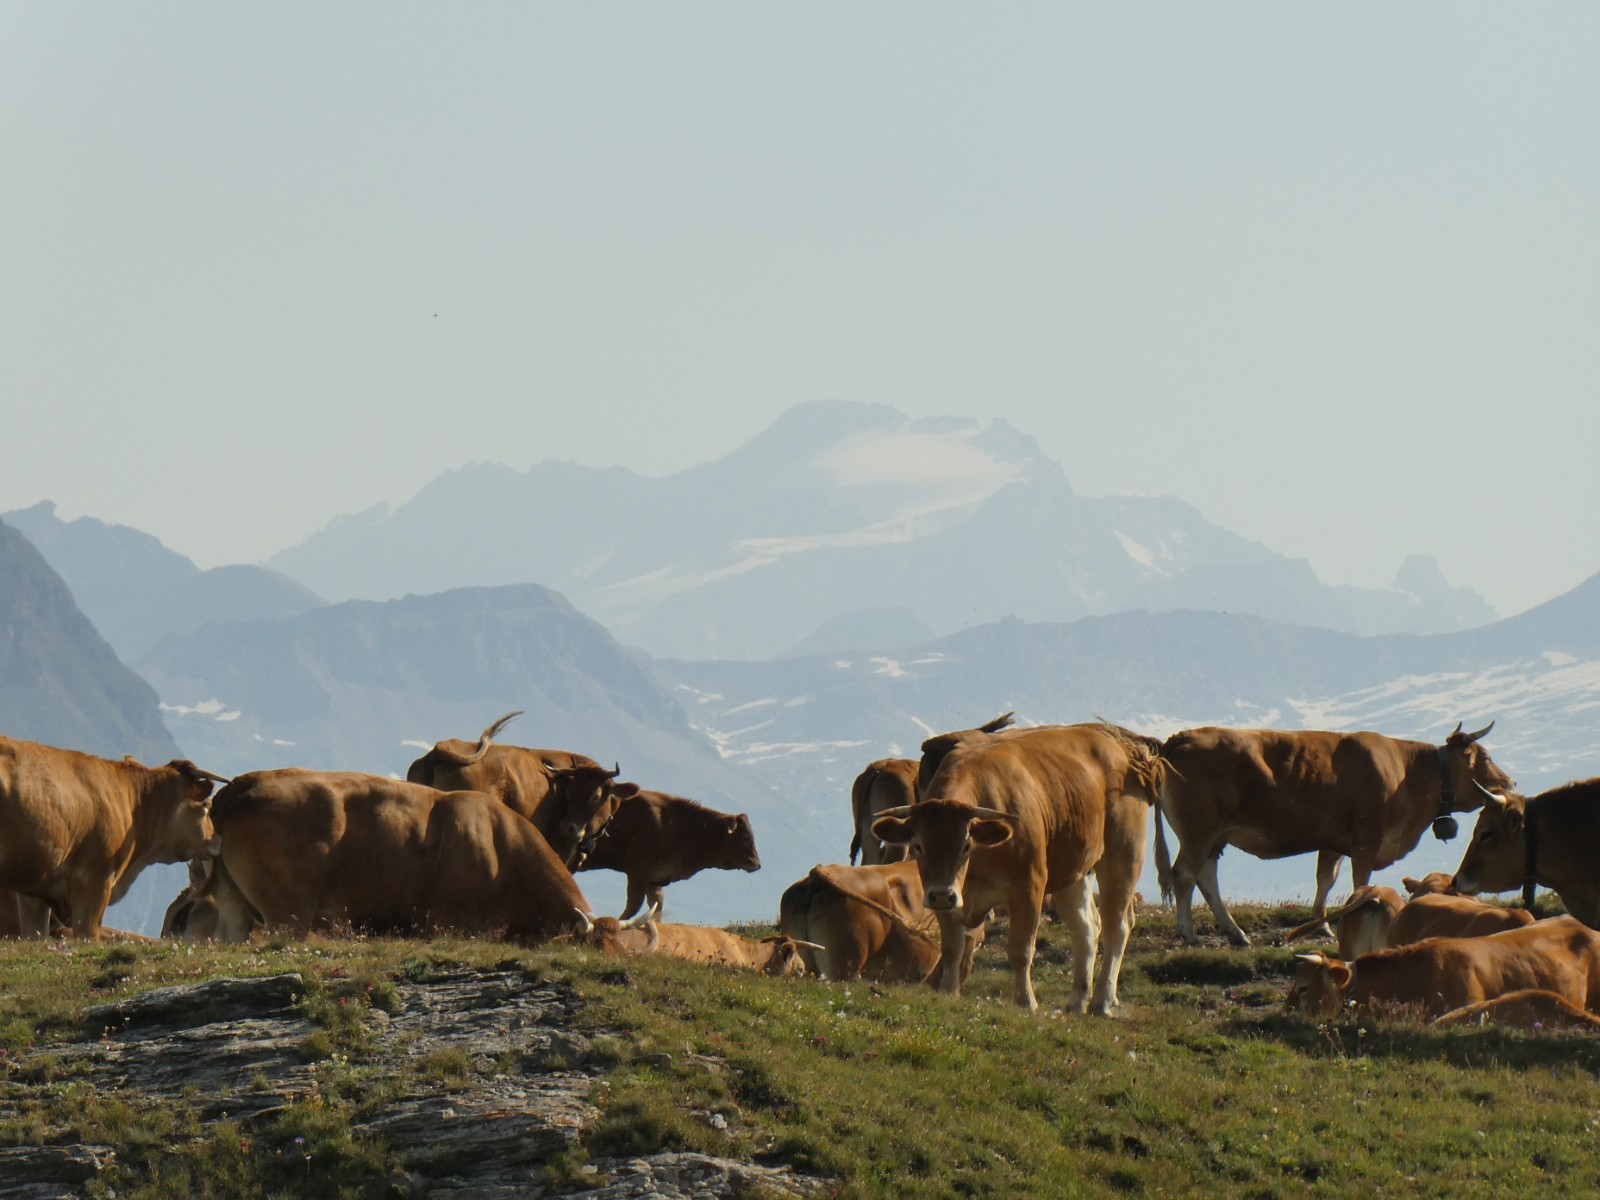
(1530, 856)
(587, 845)
(1447, 785)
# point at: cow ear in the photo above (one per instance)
(894, 830)
(1342, 975)
(1412, 886)
(989, 832)
(626, 791)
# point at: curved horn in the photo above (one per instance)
(588, 922)
(642, 918)
(902, 811)
(1490, 797)
(994, 814)
(808, 945)
(202, 773)
(1472, 737)
(615, 771)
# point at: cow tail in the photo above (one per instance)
(860, 807)
(1163, 861)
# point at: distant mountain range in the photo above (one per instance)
(834, 517)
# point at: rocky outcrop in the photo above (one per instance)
(517, 1095)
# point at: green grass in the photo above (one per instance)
(1202, 1087)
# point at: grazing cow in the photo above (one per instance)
(1560, 955)
(1434, 883)
(76, 830)
(560, 792)
(885, 784)
(1527, 1009)
(1274, 793)
(776, 955)
(193, 914)
(866, 922)
(656, 839)
(1551, 840)
(1013, 816)
(307, 850)
(1361, 924)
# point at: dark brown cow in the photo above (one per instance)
(656, 839)
(76, 830)
(885, 784)
(1552, 840)
(865, 922)
(1014, 816)
(1274, 793)
(560, 792)
(1433, 977)
(306, 850)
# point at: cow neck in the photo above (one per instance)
(1447, 785)
(1530, 856)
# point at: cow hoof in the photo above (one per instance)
(1077, 1004)
(1239, 939)
(1101, 1009)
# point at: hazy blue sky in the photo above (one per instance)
(1329, 272)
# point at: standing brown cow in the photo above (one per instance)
(309, 850)
(656, 839)
(1274, 793)
(560, 792)
(76, 830)
(885, 784)
(1012, 817)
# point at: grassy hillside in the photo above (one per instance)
(1203, 1086)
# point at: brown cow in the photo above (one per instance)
(656, 839)
(777, 955)
(307, 850)
(1011, 817)
(193, 914)
(1361, 923)
(1440, 915)
(560, 792)
(1527, 1009)
(885, 784)
(1552, 840)
(940, 744)
(866, 922)
(76, 830)
(1274, 793)
(1560, 955)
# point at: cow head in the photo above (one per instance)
(612, 936)
(1435, 883)
(941, 836)
(591, 833)
(786, 959)
(1494, 858)
(1471, 769)
(584, 794)
(186, 831)
(736, 845)
(1319, 988)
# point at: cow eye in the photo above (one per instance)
(1486, 838)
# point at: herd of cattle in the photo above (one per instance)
(484, 839)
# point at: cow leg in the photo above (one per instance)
(1185, 873)
(1076, 907)
(33, 917)
(236, 918)
(1327, 875)
(1020, 941)
(952, 941)
(89, 897)
(1116, 926)
(636, 892)
(1207, 879)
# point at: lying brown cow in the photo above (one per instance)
(1434, 883)
(1439, 915)
(1361, 924)
(866, 922)
(1560, 955)
(76, 830)
(1552, 840)
(560, 792)
(778, 955)
(308, 850)
(656, 839)
(1275, 793)
(1011, 817)
(885, 784)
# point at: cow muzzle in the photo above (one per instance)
(942, 899)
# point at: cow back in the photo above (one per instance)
(1441, 915)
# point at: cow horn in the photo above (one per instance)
(902, 811)
(202, 773)
(588, 922)
(638, 919)
(1472, 737)
(1314, 959)
(1494, 798)
(808, 945)
(994, 814)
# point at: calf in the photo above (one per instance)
(1361, 924)
(1439, 915)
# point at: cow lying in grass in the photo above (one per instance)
(777, 955)
(1431, 978)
